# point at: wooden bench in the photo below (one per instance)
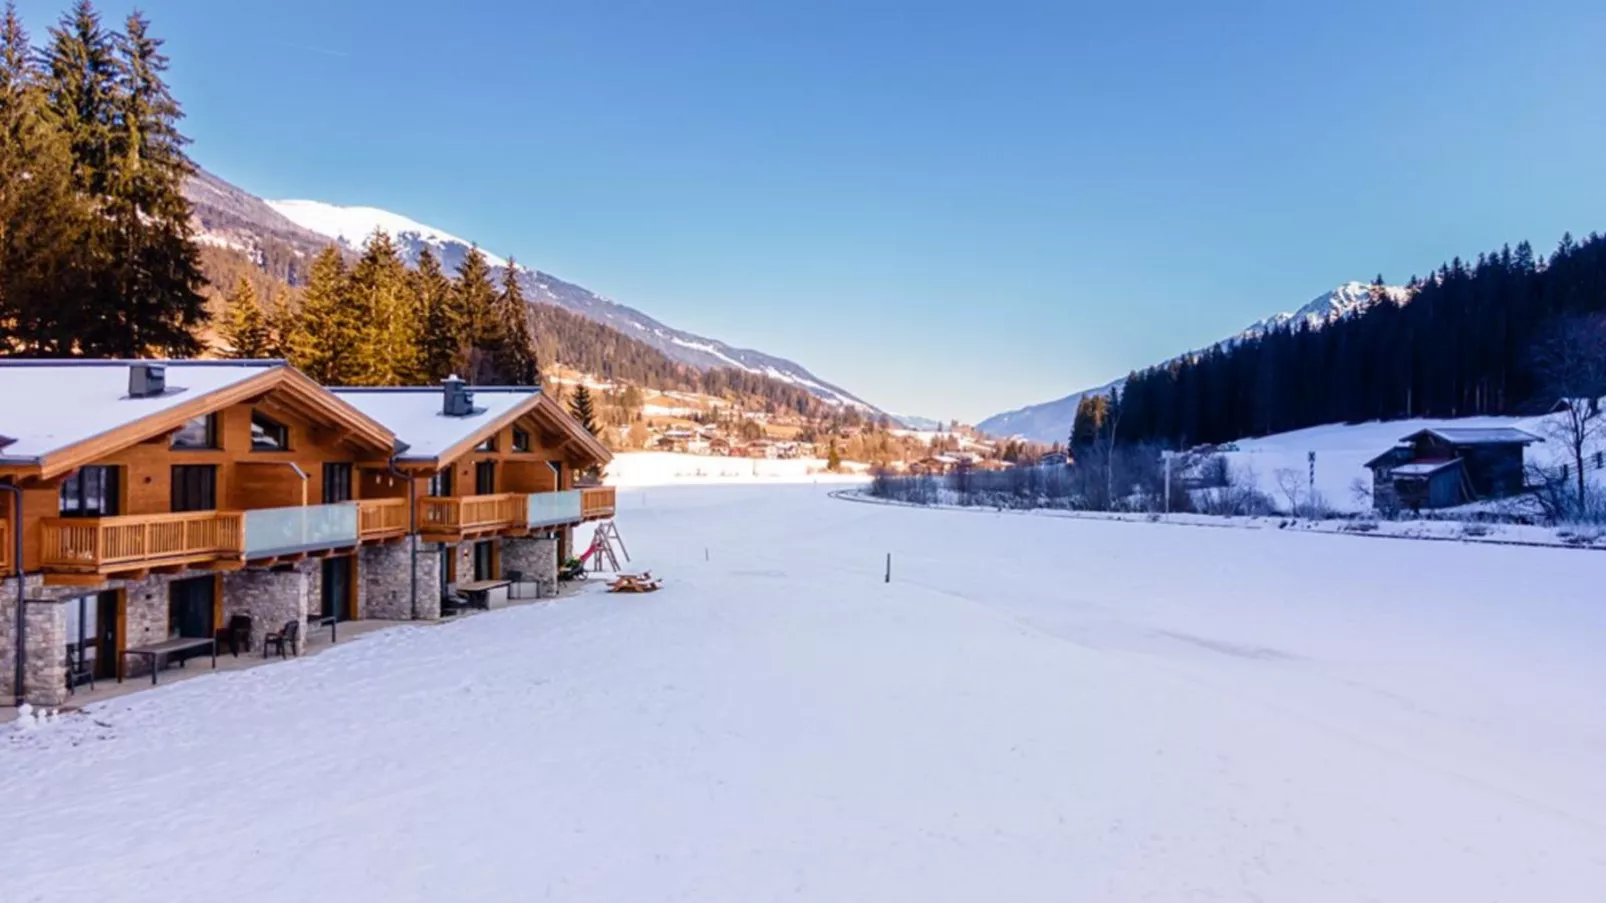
(158, 653)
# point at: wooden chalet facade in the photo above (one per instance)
(1448, 467)
(161, 501)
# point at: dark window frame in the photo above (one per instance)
(339, 479)
(489, 445)
(210, 421)
(271, 428)
(201, 478)
(104, 480)
(521, 440)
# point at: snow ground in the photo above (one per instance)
(1033, 709)
(1342, 451)
(680, 468)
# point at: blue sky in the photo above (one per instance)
(948, 208)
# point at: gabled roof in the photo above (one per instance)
(1424, 468)
(62, 414)
(417, 415)
(1463, 435)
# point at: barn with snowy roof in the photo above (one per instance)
(1449, 466)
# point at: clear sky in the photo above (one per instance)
(949, 208)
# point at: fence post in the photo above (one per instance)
(889, 567)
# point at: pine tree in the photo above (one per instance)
(474, 298)
(245, 325)
(514, 347)
(377, 297)
(44, 222)
(440, 340)
(833, 458)
(327, 342)
(580, 407)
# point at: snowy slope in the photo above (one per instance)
(1050, 421)
(351, 225)
(1262, 716)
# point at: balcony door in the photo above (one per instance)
(90, 492)
(485, 478)
(336, 589)
(336, 483)
(484, 560)
(191, 607)
(194, 487)
(92, 634)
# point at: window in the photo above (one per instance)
(487, 445)
(521, 440)
(268, 434)
(197, 432)
(485, 478)
(484, 560)
(440, 485)
(194, 487)
(336, 483)
(190, 608)
(90, 492)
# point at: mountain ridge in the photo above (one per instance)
(283, 236)
(1050, 421)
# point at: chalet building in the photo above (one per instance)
(1444, 468)
(150, 504)
(492, 474)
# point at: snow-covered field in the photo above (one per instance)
(665, 468)
(1342, 451)
(1033, 709)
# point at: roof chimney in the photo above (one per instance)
(458, 400)
(146, 380)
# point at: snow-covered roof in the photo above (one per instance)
(53, 404)
(1462, 435)
(1424, 468)
(417, 415)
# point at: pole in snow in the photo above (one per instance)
(1310, 495)
(889, 567)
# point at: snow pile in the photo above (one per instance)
(664, 468)
(1032, 709)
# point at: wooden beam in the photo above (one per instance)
(75, 579)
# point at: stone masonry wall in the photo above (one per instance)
(429, 581)
(536, 559)
(385, 583)
(270, 598)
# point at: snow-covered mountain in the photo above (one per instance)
(352, 225)
(229, 216)
(1051, 420)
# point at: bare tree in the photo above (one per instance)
(1570, 363)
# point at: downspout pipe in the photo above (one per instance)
(412, 529)
(22, 587)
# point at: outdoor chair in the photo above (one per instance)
(237, 635)
(284, 640)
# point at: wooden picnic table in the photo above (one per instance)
(157, 653)
(479, 592)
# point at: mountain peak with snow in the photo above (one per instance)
(1346, 300)
(351, 226)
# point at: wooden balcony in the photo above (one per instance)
(381, 520)
(5, 547)
(597, 502)
(113, 545)
(453, 518)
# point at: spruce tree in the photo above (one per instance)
(580, 407)
(377, 296)
(515, 348)
(245, 324)
(474, 298)
(440, 339)
(833, 458)
(327, 342)
(44, 221)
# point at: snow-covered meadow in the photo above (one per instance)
(680, 468)
(1033, 708)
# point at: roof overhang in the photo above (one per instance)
(357, 427)
(575, 441)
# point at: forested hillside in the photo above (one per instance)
(1508, 333)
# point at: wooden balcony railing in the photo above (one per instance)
(381, 518)
(5, 547)
(596, 502)
(471, 513)
(105, 543)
